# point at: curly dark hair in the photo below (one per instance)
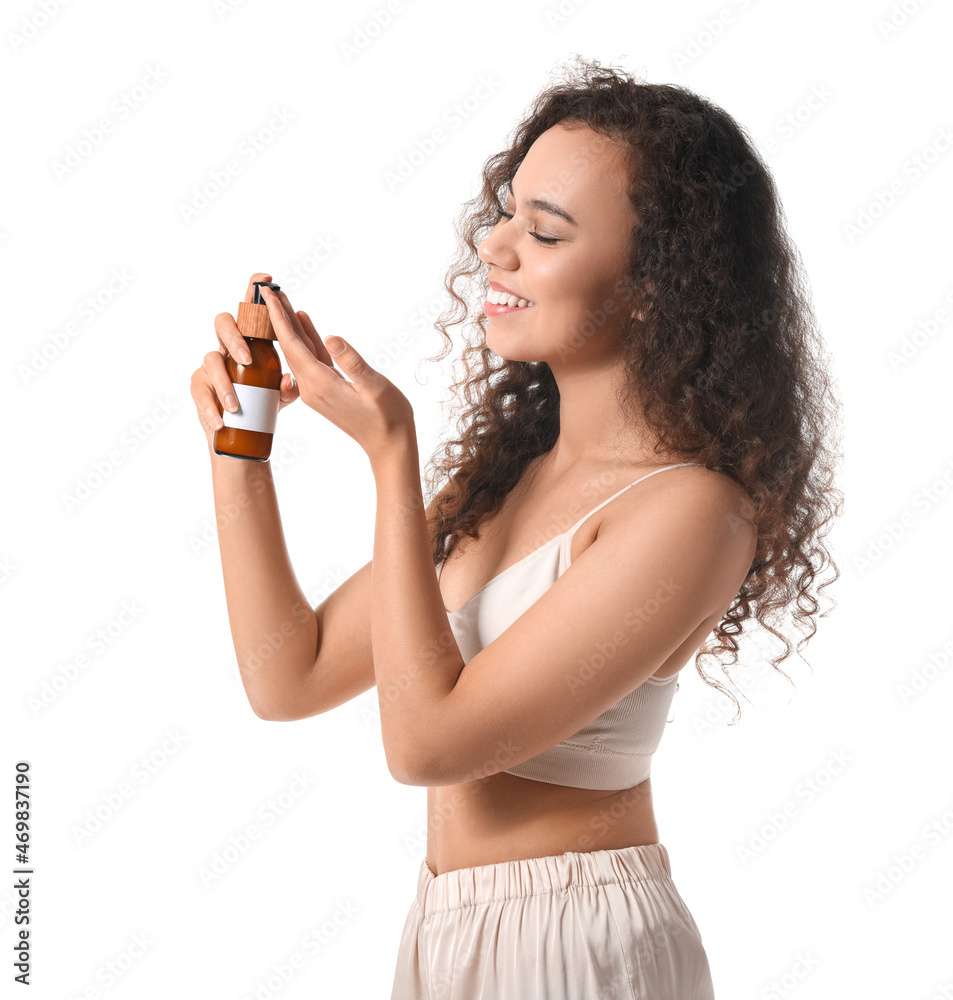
(723, 353)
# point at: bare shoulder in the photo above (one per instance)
(698, 506)
(716, 490)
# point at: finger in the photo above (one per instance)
(209, 410)
(288, 389)
(250, 290)
(218, 380)
(349, 361)
(293, 316)
(250, 297)
(231, 339)
(304, 366)
(320, 351)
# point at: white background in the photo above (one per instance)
(802, 908)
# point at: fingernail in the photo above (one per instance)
(245, 356)
(231, 401)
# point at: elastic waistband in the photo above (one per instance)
(462, 887)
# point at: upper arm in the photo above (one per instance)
(344, 664)
(620, 610)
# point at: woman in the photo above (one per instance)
(645, 466)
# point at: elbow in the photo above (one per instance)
(274, 713)
(421, 770)
(401, 771)
(406, 765)
(262, 713)
(404, 777)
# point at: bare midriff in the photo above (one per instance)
(505, 817)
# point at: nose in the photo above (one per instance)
(497, 249)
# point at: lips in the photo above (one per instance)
(509, 291)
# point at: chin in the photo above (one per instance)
(510, 352)
(509, 348)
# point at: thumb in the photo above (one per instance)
(288, 388)
(347, 358)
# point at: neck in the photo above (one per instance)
(593, 428)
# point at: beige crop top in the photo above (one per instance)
(614, 751)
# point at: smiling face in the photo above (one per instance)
(562, 244)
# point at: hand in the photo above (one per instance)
(369, 408)
(211, 387)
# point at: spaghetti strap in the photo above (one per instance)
(664, 468)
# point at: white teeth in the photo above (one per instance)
(504, 299)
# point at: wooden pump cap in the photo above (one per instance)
(254, 321)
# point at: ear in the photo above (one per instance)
(631, 302)
(638, 309)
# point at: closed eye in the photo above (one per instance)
(548, 240)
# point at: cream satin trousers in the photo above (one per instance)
(596, 925)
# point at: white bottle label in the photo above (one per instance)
(257, 409)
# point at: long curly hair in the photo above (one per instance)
(723, 353)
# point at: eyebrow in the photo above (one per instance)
(545, 206)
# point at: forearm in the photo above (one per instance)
(273, 627)
(416, 658)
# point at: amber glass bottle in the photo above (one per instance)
(249, 430)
